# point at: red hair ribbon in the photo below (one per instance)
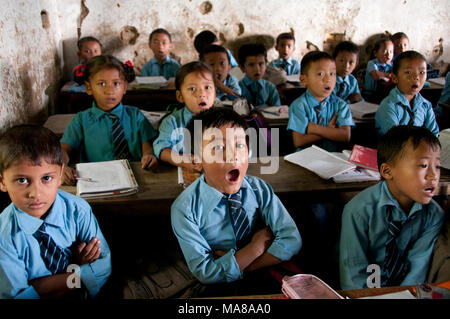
(128, 62)
(79, 69)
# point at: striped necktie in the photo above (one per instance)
(120, 143)
(255, 89)
(239, 218)
(55, 258)
(394, 266)
(411, 115)
(318, 109)
(161, 69)
(341, 89)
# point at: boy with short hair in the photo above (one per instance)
(394, 224)
(44, 229)
(88, 47)
(253, 62)
(160, 42)
(205, 38)
(318, 116)
(286, 47)
(346, 56)
(404, 105)
(229, 224)
(227, 86)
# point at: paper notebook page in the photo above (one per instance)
(107, 176)
(440, 80)
(321, 162)
(444, 138)
(363, 109)
(151, 80)
(405, 294)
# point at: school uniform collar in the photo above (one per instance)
(155, 61)
(211, 197)
(340, 79)
(387, 199)
(396, 95)
(186, 113)
(30, 224)
(118, 110)
(248, 82)
(378, 62)
(287, 61)
(312, 101)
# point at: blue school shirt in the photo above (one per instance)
(201, 222)
(394, 108)
(259, 93)
(346, 87)
(70, 222)
(90, 131)
(369, 83)
(233, 61)
(302, 111)
(171, 132)
(231, 82)
(445, 96)
(365, 232)
(167, 69)
(290, 65)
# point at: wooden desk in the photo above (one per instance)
(289, 91)
(146, 99)
(158, 190)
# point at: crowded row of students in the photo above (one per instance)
(230, 226)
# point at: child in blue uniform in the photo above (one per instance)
(195, 89)
(227, 86)
(108, 130)
(160, 42)
(401, 43)
(318, 116)
(88, 47)
(44, 230)
(379, 69)
(205, 38)
(253, 62)
(286, 47)
(229, 224)
(395, 223)
(404, 105)
(346, 56)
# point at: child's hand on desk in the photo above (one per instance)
(88, 253)
(149, 161)
(355, 97)
(69, 176)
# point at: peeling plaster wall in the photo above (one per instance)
(234, 21)
(30, 61)
(34, 58)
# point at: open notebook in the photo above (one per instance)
(444, 138)
(363, 110)
(109, 178)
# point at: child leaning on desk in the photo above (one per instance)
(404, 105)
(195, 89)
(285, 46)
(227, 86)
(253, 62)
(108, 130)
(318, 116)
(394, 224)
(44, 230)
(229, 224)
(160, 42)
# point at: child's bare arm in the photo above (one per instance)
(51, 286)
(171, 157)
(331, 132)
(225, 89)
(378, 75)
(302, 140)
(261, 240)
(355, 97)
(265, 260)
(69, 173)
(148, 160)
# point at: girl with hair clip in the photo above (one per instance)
(108, 130)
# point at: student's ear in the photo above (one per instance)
(61, 175)
(179, 96)
(88, 87)
(386, 171)
(2, 185)
(304, 79)
(394, 78)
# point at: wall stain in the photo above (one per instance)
(128, 35)
(206, 7)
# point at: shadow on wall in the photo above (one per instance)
(234, 45)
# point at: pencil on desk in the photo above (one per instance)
(87, 179)
(270, 112)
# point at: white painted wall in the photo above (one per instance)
(32, 58)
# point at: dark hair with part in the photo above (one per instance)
(83, 40)
(203, 39)
(392, 145)
(83, 72)
(159, 30)
(406, 56)
(29, 142)
(215, 117)
(188, 68)
(347, 46)
(251, 49)
(398, 36)
(213, 49)
(310, 57)
(285, 36)
(380, 42)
